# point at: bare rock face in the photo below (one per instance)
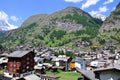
(69, 26)
(113, 21)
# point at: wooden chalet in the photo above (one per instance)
(62, 62)
(20, 63)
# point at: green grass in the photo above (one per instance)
(1, 71)
(66, 75)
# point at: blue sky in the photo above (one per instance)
(15, 12)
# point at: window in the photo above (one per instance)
(14, 65)
(10, 73)
(97, 75)
(118, 78)
(23, 70)
(27, 63)
(14, 70)
(27, 67)
(27, 58)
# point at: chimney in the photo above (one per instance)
(105, 65)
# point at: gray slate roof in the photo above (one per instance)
(91, 75)
(32, 77)
(4, 78)
(87, 73)
(18, 54)
(110, 67)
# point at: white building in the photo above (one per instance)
(111, 72)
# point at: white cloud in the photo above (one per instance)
(74, 1)
(103, 9)
(4, 22)
(14, 18)
(89, 3)
(108, 1)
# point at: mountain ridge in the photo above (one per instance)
(113, 21)
(39, 19)
(56, 29)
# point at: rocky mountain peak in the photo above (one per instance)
(70, 18)
(70, 10)
(118, 6)
(5, 26)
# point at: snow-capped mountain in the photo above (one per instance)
(5, 25)
(100, 16)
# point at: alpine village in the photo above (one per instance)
(69, 44)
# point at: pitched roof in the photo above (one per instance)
(32, 77)
(61, 57)
(111, 67)
(49, 77)
(18, 54)
(4, 78)
(91, 75)
(87, 73)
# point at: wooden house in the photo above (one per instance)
(62, 61)
(20, 63)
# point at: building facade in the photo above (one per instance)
(20, 63)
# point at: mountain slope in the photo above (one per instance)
(56, 29)
(64, 19)
(113, 21)
(110, 30)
